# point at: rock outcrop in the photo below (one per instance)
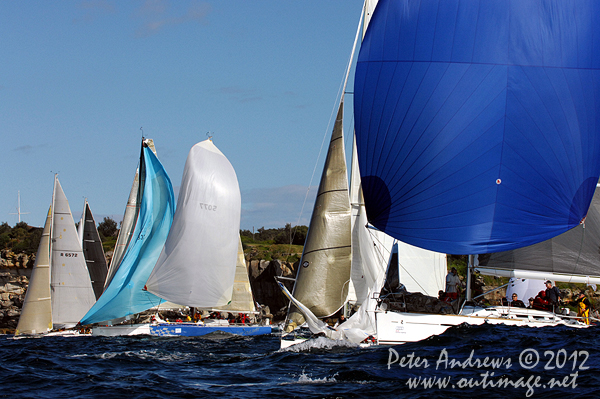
(15, 270)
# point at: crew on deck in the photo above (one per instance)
(516, 302)
(452, 285)
(552, 295)
(584, 306)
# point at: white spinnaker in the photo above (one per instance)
(197, 264)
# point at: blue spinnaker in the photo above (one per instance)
(477, 121)
(125, 295)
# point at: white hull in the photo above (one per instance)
(65, 333)
(397, 328)
(116, 331)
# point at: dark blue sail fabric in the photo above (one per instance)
(125, 295)
(477, 121)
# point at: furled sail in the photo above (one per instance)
(324, 272)
(574, 253)
(197, 265)
(36, 314)
(93, 251)
(71, 289)
(125, 295)
(476, 121)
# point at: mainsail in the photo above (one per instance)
(36, 314)
(125, 295)
(93, 251)
(71, 289)
(197, 265)
(477, 132)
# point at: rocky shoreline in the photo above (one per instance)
(15, 271)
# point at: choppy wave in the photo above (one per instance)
(445, 366)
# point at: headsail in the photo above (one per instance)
(477, 132)
(124, 295)
(71, 289)
(36, 314)
(128, 223)
(197, 266)
(93, 251)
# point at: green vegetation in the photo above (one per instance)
(21, 238)
(284, 244)
(461, 262)
(108, 231)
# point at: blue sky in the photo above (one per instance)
(78, 79)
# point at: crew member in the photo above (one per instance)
(584, 307)
(452, 285)
(552, 295)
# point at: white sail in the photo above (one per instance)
(36, 314)
(71, 289)
(197, 264)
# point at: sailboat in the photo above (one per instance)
(60, 290)
(476, 133)
(93, 251)
(344, 260)
(203, 257)
(124, 296)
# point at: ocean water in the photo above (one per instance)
(495, 361)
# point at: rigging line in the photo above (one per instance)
(414, 279)
(339, 95)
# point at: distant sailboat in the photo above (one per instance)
(92, 250)
(60, 290)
